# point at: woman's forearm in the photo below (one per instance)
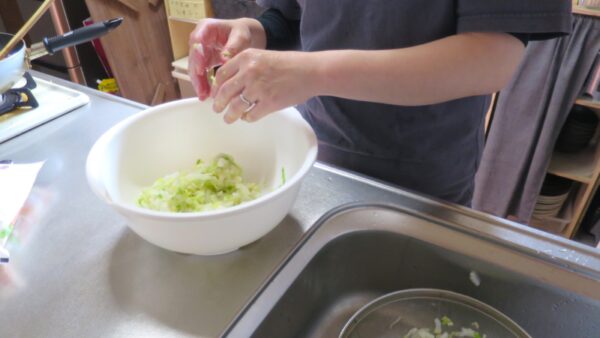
(454, 67)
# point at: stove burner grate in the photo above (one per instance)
(19, 97)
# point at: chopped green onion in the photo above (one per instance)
(207, 186)
(439, 333)
(212, 78)
(447, 321)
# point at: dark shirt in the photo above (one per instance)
(433, 149)
(284, 34)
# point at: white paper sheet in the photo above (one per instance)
(16, 181)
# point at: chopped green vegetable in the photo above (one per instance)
(226, 54)
(447, 321)
(206, 187)
(439, 333)
(283, 178)
(211, 76)
(6, 231)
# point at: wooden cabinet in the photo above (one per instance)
(138, 51)
(182, 17)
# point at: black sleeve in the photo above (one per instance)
(528, 19)
(282, 33)
(524, 37)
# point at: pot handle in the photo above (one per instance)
(72, 38)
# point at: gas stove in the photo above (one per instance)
(34, 101)
(21, 97)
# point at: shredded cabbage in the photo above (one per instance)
(208, 186)
(439, 332)
(283, 177)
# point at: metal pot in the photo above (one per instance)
(13, 66)
(18, 60)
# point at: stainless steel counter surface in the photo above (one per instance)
(78, 271)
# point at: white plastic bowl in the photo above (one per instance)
(171, 137)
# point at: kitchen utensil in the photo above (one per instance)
(18, 60)
(396, 313)
(26, 27)
(13, 66)
(171, 137)
(53, 100)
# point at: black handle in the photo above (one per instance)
(80, 35)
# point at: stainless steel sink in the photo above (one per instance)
(549, 286)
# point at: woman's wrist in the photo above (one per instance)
(312, 65)
(322, 67)
(258, 36)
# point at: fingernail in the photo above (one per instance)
(218, 107)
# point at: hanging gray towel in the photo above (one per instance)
(529, 116)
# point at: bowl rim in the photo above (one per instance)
(289, 113)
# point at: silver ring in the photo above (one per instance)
(250, 104)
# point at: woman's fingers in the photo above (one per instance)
(227, 91)
(198, 62)
(206, 43)
(268, 81)
(241, 76)
(197, 72)
(237, 109)
(238, 40)
(258, 112)
(227, 70)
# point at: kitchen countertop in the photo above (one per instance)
(78, 271)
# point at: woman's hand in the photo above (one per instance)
(214, 41)
(267, 80)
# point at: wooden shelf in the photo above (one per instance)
(586, 11)
(588, 103)
(181, 64)
(560, 224)
(577, 166)
(179, 32)
(582, 198)
(186, 20)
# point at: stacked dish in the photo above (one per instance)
(578, 130)
(555, 191)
